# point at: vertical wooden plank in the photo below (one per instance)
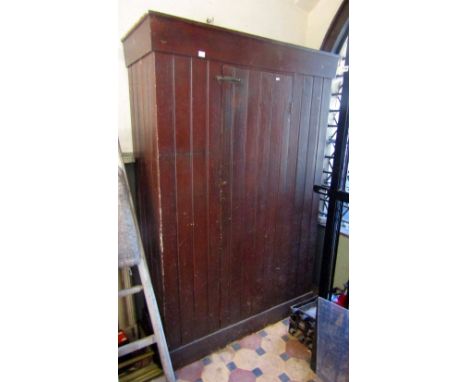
(280, 102)
(165, 96)
(282, 206)
(148, 129)
(292, 233)
(142, 159)
(237, 180)
(213, 165)
(183, 161)
(143, 106)
(228, 90)
(250, 282)
(300, 180)
(156, 269)
(312, 175)
(304, 278)
(200, 205)
(133, 114)
(266, 106)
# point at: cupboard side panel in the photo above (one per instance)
(165, 98)
(184, 187)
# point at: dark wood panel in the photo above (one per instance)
(185, 37)
(138, 42)
(153, 174)
(281, 221)
(291, 216)
(308, 234)
(142, 76)
(251, 261)
(165, 96)
(265, 113)
(184, 187)
(298, 221)
(200, 191)
(226, 200)
(237, 179)
(214, 157)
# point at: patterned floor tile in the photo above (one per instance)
(257, 372)
(225, 355)
(298, 369)
(241, 375)
(271, 364)
(286, 337)
(262, 333)
(260, 351)
(251, 342)
(284, 356)
(295, 349)
(277, 330)
(215, 372)
(206, 361)
(246, 359)
(267, 378)
(273, 345)
(192, 372)
(270, 355)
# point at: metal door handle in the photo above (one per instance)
(228, 78)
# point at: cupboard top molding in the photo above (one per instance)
(158, 32)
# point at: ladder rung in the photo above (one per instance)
(145, 373)
(136, 359)
(129, 291)
(137, 345)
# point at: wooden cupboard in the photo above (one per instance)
(228, 136)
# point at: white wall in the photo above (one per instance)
(290, 21)
(318, 21)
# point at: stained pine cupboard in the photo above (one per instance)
(228, 135)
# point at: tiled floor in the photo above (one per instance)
(269, 355)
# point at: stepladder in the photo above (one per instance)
(132, 255)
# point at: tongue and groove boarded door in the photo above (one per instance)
(236, 164)
(255, 141)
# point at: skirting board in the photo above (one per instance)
(204, 346)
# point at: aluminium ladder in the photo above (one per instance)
(131, 253)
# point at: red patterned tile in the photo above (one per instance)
(251, 342)
(191, 372)
(295, 349)
(241, 375)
